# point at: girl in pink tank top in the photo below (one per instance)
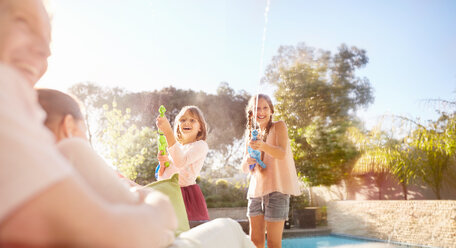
(273, 176)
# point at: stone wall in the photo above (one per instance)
(238, 214)
(234, 213)
(431, 223)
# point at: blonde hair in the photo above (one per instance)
(197, 114)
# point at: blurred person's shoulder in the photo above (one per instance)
(16, 94)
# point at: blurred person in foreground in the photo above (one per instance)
(44, 201)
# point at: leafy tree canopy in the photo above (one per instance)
(224, 111)
(317, 95)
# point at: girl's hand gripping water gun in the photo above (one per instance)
(255, 153)
(162, 144)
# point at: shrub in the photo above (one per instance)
(221, 193)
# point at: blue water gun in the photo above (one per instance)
(162, 144)
(255, 153)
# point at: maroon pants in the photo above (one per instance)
(194, 203)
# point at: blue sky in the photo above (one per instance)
(150, 44)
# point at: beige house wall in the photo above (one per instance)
(365, 188)
(431, 223)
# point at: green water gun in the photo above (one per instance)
(162, 144)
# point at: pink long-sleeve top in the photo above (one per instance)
(279, 175)
(187, 160)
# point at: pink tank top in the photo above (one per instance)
(280, 174)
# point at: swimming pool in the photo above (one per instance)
(331, 241)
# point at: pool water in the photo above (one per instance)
(331, 241)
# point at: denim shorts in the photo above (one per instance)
(274, 206)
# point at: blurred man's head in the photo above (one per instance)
(25, 35)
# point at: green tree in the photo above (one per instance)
(224, 113)
(323, 153)
(221, 193)
(383, 155)
(370, 159)
(132, 151)
(403, 161)
(317, 95)
(93, 98)
(87, 93)
(437, 145)
(225, 163)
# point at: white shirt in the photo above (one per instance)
(96, 172)
(29, 160)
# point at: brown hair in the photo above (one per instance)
(196, 113)
(58, 104)
(249, 110)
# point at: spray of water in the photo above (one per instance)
(260, 72)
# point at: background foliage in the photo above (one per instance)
(426, 154)
(221, 193)
(317, 94)
(132, 150)
(127, 131)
